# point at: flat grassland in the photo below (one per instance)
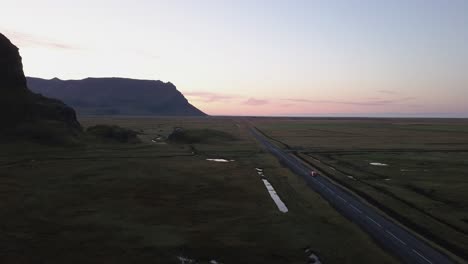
(416, 170)
(156, 201)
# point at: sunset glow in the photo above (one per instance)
(300, 58)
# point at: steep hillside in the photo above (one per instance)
(24, 114)
(117, 96)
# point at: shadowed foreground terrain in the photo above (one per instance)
(153, 202)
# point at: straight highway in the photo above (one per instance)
(394, 238)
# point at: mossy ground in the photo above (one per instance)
(152, 202)
(426, 177)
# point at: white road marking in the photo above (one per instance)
(287, 159)
(419, 254)
(374, 221)
(390, 233)
(341, 198)
(355, 208)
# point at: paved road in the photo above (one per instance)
(395, 239)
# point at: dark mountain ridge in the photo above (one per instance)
(24, 114)
(117, 96)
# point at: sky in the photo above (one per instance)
(295, 58)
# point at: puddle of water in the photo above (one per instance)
(281, 206)
(378, 164)
(185, 260)
(220, 160)
(313, 258)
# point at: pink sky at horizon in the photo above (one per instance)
(367, 58)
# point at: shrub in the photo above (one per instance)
(113, 133)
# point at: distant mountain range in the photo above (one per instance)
(116, 96)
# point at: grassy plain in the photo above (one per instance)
(153, 202)
(424, 181)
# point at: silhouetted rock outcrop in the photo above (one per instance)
(25, 114)
(117, 96)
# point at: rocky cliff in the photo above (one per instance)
(24, 114)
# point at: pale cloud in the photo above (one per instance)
(209, 97)
(253, 101)
(377, 102)
(30, 40)
(387, 92)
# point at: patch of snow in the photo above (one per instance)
(281, 206)
(214, 262)
(258, 169)
(378, 164)
(220, 160)
(351, 177)
(387, 179)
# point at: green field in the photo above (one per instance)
(152, 202)
(425, 177)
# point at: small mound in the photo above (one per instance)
(191, 136)
(113, 133)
